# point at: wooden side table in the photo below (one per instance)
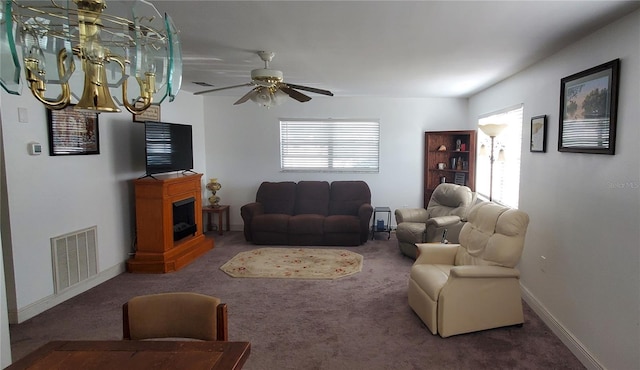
(221, 210)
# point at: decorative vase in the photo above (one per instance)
(213, 186)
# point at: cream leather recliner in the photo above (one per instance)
(447, 210)
(471, 286)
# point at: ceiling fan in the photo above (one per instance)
(269, 89)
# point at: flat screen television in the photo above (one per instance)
(168, 147)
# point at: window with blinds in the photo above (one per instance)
(506, 151)
(329, 145)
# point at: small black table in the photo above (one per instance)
(386, 227)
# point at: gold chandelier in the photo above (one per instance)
(111, 49)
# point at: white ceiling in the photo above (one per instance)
(379, 48)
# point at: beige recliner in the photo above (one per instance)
(447, 210)
(471, 286)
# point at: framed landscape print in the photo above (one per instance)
(538, 134)
(73, 132)
(588, 110)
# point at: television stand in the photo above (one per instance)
(156, 251)
(147, 175)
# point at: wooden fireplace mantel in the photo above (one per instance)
(156, 252)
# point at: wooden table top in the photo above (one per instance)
(133, 354)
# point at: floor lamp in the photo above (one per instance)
(492, 130)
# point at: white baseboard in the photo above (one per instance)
(35, 308)
(569, 340)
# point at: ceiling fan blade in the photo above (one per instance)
(311, 89)
(248, 96)
(297, 95)
(223, 88)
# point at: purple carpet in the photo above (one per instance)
(357, 322)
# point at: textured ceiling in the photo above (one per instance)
(379, 48)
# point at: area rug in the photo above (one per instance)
(294, 263)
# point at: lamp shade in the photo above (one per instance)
(493, 129)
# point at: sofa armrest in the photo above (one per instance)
(364, 214)
(435, 253)
(468, 271)
(443, 221)
(411, 232)
(365, 211)
(411, 215)
(248, 211)
(251, 209)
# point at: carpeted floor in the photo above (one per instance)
(357, 322)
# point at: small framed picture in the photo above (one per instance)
(588, 110)
(538, 134)
(151, 114)
(73, 132)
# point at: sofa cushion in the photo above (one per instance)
(278, 223)
(312, 197)
(341, 224)
(348, 196)
(306, 224)
(306, 229)
(277, 197)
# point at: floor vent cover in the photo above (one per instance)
(75, 258)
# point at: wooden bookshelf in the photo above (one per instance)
(462, 172)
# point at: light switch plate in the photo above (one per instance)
(23, 115)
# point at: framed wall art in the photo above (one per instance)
(538, 134)
(73, 132)
(588, 110)
(150, 114)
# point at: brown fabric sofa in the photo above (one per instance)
(309, 213)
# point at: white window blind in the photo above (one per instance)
(329, 145)
(506, 151)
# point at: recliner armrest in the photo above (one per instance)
(252, 209)
(365, 210)
(436, 254)
(443, 221)
(411, 215)
(469, 271)
(247, 212)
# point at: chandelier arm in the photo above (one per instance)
(145, 99)
(37, 87)
(79, 28)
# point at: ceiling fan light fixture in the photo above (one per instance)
(280, 96)
(268, 88)
(267, 75)
(269, 97)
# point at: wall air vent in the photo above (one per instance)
(74, 257)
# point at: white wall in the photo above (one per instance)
(243, 144)
(584, 208)
(48, 196)
(5, 341)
